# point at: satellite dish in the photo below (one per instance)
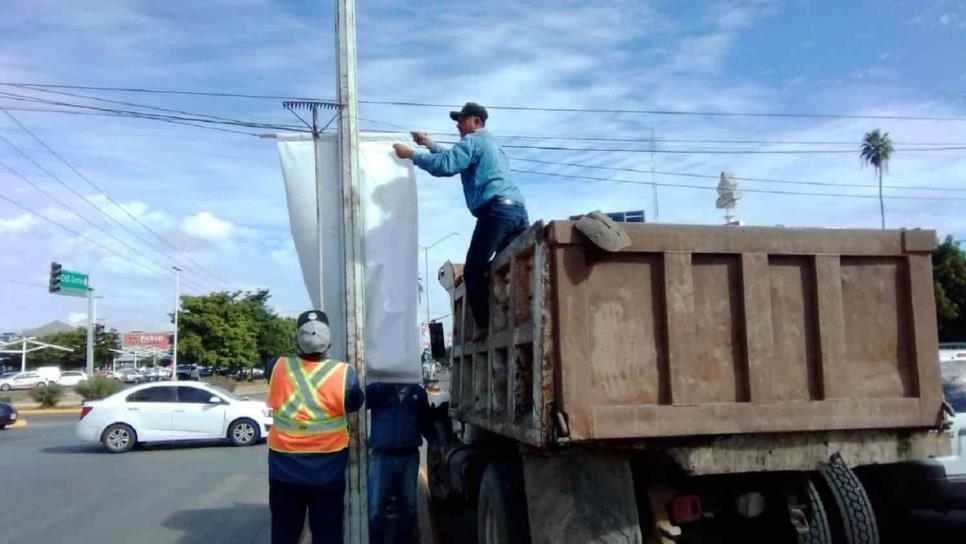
(728, 197)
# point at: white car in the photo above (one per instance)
(71, 378)
(955, 462)
(22, 380)
(172, 411)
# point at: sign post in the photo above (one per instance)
(76, 284)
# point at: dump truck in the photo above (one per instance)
(703, 384)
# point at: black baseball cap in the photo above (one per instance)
(311, 315)
(470, 109)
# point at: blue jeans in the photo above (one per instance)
(497, 224)
(289, 502)
(392, 474)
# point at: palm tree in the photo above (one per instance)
(876, 150)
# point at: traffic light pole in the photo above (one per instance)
(90, 331)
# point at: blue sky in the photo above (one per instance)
(219, 198)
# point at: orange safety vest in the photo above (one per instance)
(308, 403)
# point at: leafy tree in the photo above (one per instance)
(276, 334)
(234, 330)
(949, 275)
(76, 339)
(877, 150)
(215, 329)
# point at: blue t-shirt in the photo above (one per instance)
(317, 468)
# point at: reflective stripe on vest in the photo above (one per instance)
(302, 423)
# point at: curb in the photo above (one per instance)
(60, 410)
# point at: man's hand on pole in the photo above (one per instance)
(422, 138)
(403, 151)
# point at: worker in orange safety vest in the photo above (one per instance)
(310, 396)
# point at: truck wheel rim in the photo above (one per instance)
(244, 433)
(118, 438)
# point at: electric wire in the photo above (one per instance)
(780, 115)
(186, 258)
(741, 178)
(710, 188)
(81, 235)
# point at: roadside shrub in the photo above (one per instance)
(223, 382)
(98, 388)
(49, 396)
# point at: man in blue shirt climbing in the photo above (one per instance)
(400, 418)
(490, 194)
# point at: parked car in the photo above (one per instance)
(108, 374)
(205, 372)
(164, 372)
(170, 411)
(22, 380)
(8, 414)
(151, 374)
(130, 375)
(188, 372)
(50, 374)
(955, 462)
(71, 378)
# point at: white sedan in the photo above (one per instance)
(21, 380)
(71, 378)
(955, 462)
(172, 411)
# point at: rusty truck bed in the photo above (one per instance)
(700, 330)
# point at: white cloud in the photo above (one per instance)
(945, 19)
(206, 225)
(77, 318)
(17, 224)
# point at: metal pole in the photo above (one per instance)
(657, 210)
(23, 354)
(177, 306)
(356, 520)
(90, 330)
(426, 284)
(426, 280)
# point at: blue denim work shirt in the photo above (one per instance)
(481, 164)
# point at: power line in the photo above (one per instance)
(514, 108)
(707, 188)
(713, 151)
(763, 180)
(197, 266)
(677, 112)
(58, 201)
(125, 103)
(145, 115)
(674, 151)
(105, 114)
(160, 91)
(16, 282)
(61, 203)
(79, 235)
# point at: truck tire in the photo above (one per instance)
(501, 514)
(853, 519)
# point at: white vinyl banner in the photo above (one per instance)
(389, 243)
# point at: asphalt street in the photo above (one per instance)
(54, 488)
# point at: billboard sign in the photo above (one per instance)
(160, 340)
